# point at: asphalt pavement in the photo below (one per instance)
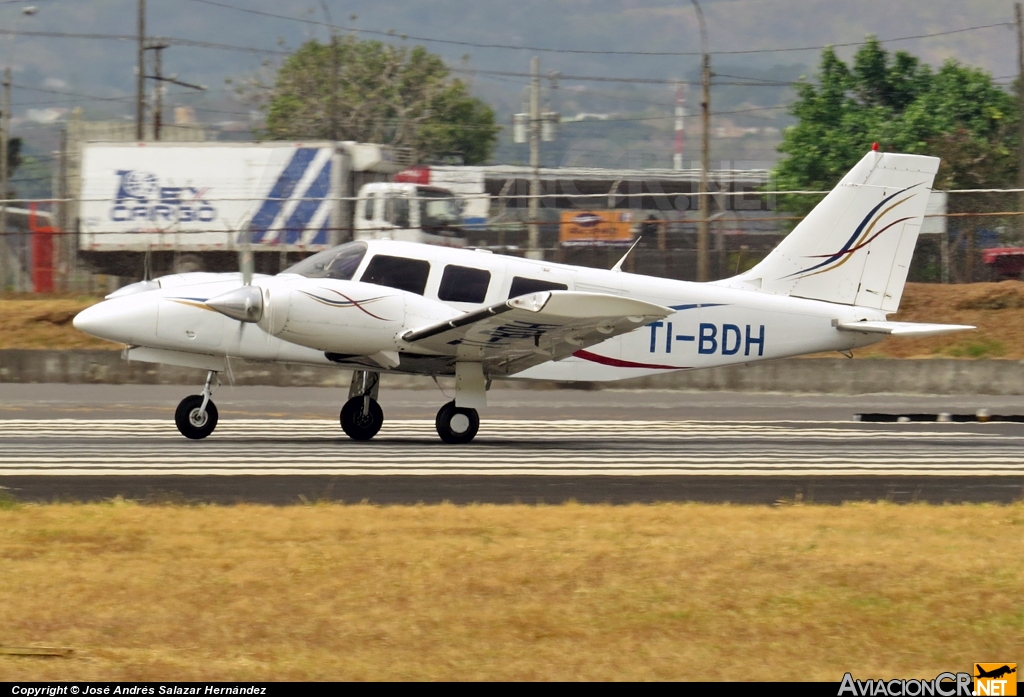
(284, 445)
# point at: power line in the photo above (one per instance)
(266, 51)
(671, 116)
(754, 80)
(544, 49)
(581, 78)
(77, 96)
(126, 37)
(70, 94)
(603, 78)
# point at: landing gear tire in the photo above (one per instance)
(191, 421)
(356, 424)
(456, 425)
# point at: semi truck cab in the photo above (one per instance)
(409, 213)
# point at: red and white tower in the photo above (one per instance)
(677, 158)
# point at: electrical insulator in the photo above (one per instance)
(549, 125)
(520, 128)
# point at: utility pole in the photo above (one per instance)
(5, 135)
(66, 259)
(140, 78)
(335, 135)
(332, 102)
(703, 273)
(1020, 102)
(157, 47)
(533, 247)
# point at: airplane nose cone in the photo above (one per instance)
(124, 320)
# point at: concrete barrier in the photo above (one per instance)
(821, 375)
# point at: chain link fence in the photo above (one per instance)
(979, 237)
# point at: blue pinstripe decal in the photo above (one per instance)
(696, 306)
(853, 238)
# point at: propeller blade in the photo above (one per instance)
(245, 259)
(227, 365)
(247, 266)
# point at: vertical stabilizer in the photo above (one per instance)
(855, 246)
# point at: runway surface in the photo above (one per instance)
(102, 452)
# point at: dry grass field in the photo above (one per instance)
(30, 322)
(319, 592)
(997, 309)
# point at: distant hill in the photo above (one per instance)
(104, 68)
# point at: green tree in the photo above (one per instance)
(956, 113)
(378, 93)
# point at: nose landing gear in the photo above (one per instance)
(196, 415)
(362, 417)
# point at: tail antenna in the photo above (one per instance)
(618, 264)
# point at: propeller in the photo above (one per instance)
(246, 303)
(245, 258)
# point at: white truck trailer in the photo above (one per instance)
(194, 205)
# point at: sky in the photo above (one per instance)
(480, 40)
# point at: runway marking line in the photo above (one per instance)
(506, 448)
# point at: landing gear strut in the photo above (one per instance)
(362, 417)
(457, 425)
(196, 415)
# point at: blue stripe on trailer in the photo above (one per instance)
(321, 235)
(283, 188)
(308, 206)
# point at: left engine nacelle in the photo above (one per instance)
(345, 317)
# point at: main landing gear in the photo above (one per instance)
(362, 417)
(196, 415)
(456, 425)
(457, 421)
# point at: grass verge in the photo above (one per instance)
(523, 592)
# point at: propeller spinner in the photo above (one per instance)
(244, 304)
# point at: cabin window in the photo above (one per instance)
(338, 262)
(397, 272)
(461, 284)
(525, 286)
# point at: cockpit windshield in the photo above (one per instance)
(337, 262)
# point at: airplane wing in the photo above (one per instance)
(516, 334)
(909, 329)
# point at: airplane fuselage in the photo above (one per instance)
(384, 306)
(333, 321)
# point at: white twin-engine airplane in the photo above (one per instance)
(384, 306)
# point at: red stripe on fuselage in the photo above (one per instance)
(618, 363)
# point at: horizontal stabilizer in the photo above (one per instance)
(516, 334)
(913, 329)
